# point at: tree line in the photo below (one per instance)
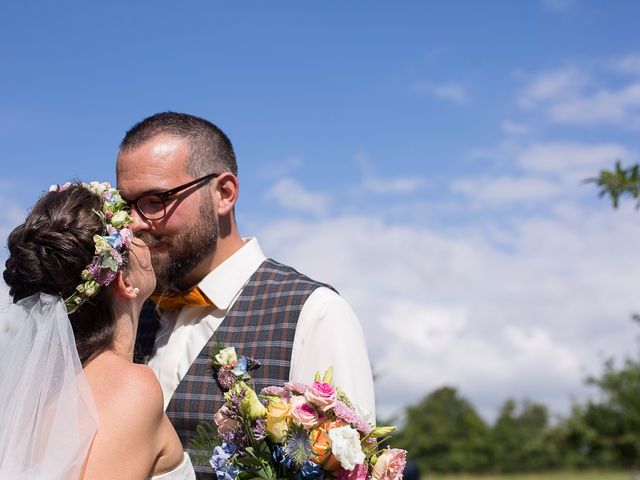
(444, 433)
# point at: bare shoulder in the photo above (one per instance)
(129, 402)
(139, 389)
(127, 390)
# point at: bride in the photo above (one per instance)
(74, 405)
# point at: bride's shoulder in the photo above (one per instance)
(126, 388)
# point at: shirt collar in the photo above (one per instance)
(224, 283)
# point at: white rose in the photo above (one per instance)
(119, 219)
(227, 356)
(345, 446)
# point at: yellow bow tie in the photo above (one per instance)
(192, 298)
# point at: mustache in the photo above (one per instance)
(152, 240)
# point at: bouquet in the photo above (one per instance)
(295, 431)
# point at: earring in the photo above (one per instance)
(136, 290)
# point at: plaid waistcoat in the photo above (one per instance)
(261, 324)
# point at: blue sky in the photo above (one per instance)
(424, 157)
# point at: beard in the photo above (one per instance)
(185, 250)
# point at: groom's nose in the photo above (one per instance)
(140, 223)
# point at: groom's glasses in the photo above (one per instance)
(153, 206)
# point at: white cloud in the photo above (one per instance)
(618, 107)
(452, 92)
(571, 161)
(571, 96)
(558, 84)
(629, 64)
(391, 185)
(291, 195)
(438, 308)
(513, 128)
(543, 172)
(494, 191)
(8, 327)
(11, 215)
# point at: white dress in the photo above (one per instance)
(184, 471)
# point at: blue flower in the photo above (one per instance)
(281, 457)
(230, 473)
(240, 367)
(219, 461)
(310, 471)
(228, 448)
(114, 240)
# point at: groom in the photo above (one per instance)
(179, 174)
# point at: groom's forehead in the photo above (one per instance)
(153, 166)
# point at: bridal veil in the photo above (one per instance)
(47, 415)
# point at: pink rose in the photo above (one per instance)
(304, 414)
(358, 473)
(225, 423)
(390, 464)
(321, 394)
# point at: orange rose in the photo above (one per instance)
(321, 446)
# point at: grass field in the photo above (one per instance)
(590, 475)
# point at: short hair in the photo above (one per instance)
(209, 147)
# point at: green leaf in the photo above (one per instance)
(205, 440)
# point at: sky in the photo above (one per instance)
(425, 158)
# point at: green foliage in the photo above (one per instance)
(443, 433)
(205, 440)
(619, 182)
(522, 438)
(616, 415)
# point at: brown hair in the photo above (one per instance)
(47, 254)
(210, 150)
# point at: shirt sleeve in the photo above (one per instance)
(328, 334)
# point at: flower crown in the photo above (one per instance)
(110, 246)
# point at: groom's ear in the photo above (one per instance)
(122, 285)
(226, 193)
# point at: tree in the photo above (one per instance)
(616, 416)
(522, 440)
(443, 433)
(619, 182)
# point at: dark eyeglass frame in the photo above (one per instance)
(164, 196)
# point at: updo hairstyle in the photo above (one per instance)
(48, 253)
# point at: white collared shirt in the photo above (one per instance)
(328, 333)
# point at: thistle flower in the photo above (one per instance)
(298, 446)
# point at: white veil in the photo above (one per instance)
(47, 416)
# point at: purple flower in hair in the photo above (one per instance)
(106, 276)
